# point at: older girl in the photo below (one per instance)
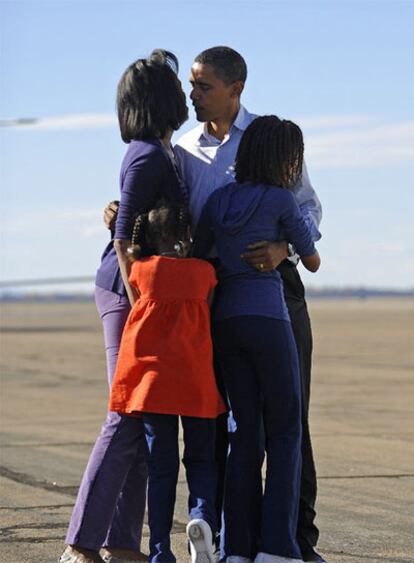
(255, 343)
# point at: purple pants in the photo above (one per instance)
(109, 509)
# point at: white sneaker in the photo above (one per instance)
(269, 558)
(201, 541)
(108, 557)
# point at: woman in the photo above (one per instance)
(255, 344)
(110, 506)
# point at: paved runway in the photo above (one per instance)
(53, 398)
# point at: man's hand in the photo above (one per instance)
(265, 256)
(110, 214)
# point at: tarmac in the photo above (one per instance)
(53, 401)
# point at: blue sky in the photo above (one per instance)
(341, 69)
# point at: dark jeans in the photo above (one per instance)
(307, 532)
(161, 431)
(261, 374)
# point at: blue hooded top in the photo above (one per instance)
(234, 217)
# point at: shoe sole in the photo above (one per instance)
(196, 536)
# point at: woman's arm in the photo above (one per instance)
(141, 187)
(121, 246)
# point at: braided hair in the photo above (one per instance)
(138, 237)
(164, 223)
(270, 152)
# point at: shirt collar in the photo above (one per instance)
(241, 122)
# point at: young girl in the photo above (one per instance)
(164, 370)
(255, 343)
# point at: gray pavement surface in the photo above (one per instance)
(53, 398)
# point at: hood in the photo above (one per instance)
(235, 204)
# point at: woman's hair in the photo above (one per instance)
(165, 223)
(150, 99)
(270, 152)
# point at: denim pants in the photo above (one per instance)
(161, 432)
(307, 533)
(109, 509)
(260, 368)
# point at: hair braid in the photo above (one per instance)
(270, 152)
(183, 222)
(138, 236)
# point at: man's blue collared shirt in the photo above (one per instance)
(206, 163)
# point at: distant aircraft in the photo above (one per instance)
(19, 121)
(65, 121)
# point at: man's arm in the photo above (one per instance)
(265, 255)
(204, 237)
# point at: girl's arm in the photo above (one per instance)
(121, 246)
(309, 203)
(210, 298)
(298, 232)
(312, 262)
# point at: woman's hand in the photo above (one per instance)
(265, 256)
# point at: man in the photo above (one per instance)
(205, 156)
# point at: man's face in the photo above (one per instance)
(212, 98)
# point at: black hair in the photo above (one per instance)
(228, 64)
(270, 152)
(166, 222)
(150, 99)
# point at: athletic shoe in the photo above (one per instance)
(108, 557)
(269, 558)
(315, 558)
(201, 541)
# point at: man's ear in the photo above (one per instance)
(237, 88)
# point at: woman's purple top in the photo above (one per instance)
(147, 174)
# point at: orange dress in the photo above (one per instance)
(165, 362)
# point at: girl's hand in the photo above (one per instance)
(311, 263)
